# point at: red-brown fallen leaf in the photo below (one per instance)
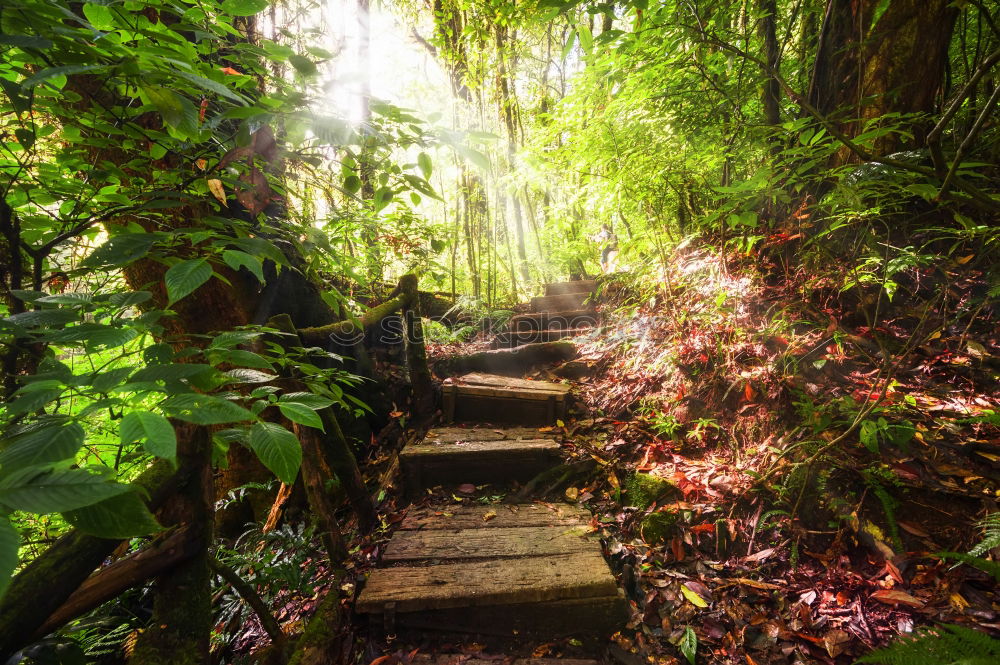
(893, 597)
(703, 528)
(748, 391)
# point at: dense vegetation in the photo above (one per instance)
(193, 241)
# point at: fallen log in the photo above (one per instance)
(507, 362)
(123, 574)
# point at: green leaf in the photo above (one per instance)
(100, 16)
(32, 401)
(9, 546)
(236, 260)
(240, 358)
(42, 490)
(185, 277)
(122, 516)
(302, 64)
(278, 449)
(424, 162)
(155, 432)
(474, 156)
(301, 414)
(244, 7)
(689, 644)
(26, 41)
(121, 250)
(211, 86)
(53, 72)
(52, 441)
(177, 111)
(204, 409)
(352, 184)
(313, 401)
(382, 198)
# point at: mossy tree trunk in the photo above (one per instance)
(179, 631)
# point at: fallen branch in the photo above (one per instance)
(123, 574)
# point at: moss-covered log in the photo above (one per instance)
(421, 383)
(349, 331)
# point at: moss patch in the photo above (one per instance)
(642, 489)
(655, 527)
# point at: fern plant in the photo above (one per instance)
(991, 534)
(942, 645)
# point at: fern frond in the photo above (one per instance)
(985, 565)
(943, 645)
(991, 534)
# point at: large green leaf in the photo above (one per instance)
(122, 516)
(311, 400)
(100, 16)
(185, 277)
(53, 441)
(236, 260)
(121, 250)
(53, 72)
(43, 490)
(175, 109)
(204, 409)
(301, 414)
(153, 430)
(9, 545)
(244, 7)
(278, 449)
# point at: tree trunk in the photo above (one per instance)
(865, 64)
(179, 630)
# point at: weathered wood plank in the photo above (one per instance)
(515, 339)
(465, 544)
(559, 303)
(480, 380)
(500, 515)
(479, 448)
(441, 463)
(575, 286)
(580, 318)
(492, 582)
(489, 659)
(591, 620)
(456, 434)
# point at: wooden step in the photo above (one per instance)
(498, 516)
(510, 340)
(559, 303)
(508, 571)
(490, 398)
(575, 286)
(566, 320)
(493, 659)
(429, 464)
(495, 543)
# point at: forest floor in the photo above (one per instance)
(776, 538)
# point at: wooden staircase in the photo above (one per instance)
(566, 310)
(506, 574)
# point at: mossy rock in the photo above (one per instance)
(642, 489)
(655, 527)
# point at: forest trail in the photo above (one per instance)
(509, 575)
